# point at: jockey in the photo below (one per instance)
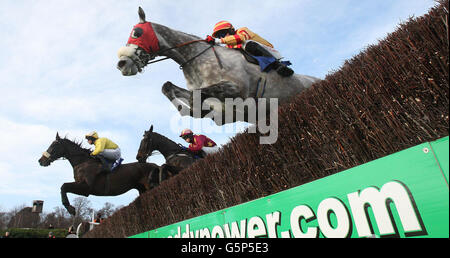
(106, 150)
(199, 143)
(224, 33)
(99, 218)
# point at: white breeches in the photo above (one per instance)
(276, 54)
(210, 150)
(111, 154)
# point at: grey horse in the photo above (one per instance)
(218, 72)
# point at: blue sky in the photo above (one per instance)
(58, 73)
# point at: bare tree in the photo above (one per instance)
(107, 210)
(60, 218)
(12, 213)
(3, 218)
(83, 210)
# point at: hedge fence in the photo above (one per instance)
(391, 96)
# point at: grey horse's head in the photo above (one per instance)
(127, 61)
(141, 47)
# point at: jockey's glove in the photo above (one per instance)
(212, 41)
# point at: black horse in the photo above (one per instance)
(177, 157)
(89, 176)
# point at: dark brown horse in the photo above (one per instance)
(177, 157)
(89, 178)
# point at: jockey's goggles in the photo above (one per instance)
(222, 33)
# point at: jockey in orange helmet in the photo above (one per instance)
(199, 143)
(224, 33)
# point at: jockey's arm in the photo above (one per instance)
(240, 37)
(99, 146)
(197, 145)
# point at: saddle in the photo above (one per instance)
(200, 155)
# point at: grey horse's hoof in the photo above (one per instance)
(167, 88)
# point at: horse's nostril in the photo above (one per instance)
(121, 63)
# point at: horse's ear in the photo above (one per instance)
(57, 136)
(141, 15)
(151, 129)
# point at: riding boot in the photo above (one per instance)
(116, 164)
(283, 69)
(105, 164)
(257, 50)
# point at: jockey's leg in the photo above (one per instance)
(106, 163)
(210, 150)
(111, 154)
(257, 49)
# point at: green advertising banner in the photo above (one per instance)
(403, 195)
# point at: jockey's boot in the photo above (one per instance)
(116, 164)
(283, 69)
(254, 48)
(106, 167)
(257, 50)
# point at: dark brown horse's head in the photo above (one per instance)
(54, 152)
(146, 146)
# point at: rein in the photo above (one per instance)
(191, 59)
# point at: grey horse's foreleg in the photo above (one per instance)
(193, 104)
(179, 97)
(220, 91)
(75, 188)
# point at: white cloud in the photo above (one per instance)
(17, 138)
(20, 174)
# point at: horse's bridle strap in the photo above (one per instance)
(159, 53)
(46, 154)
(177, 154)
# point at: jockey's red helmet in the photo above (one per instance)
(186, 132)
(222, 25)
